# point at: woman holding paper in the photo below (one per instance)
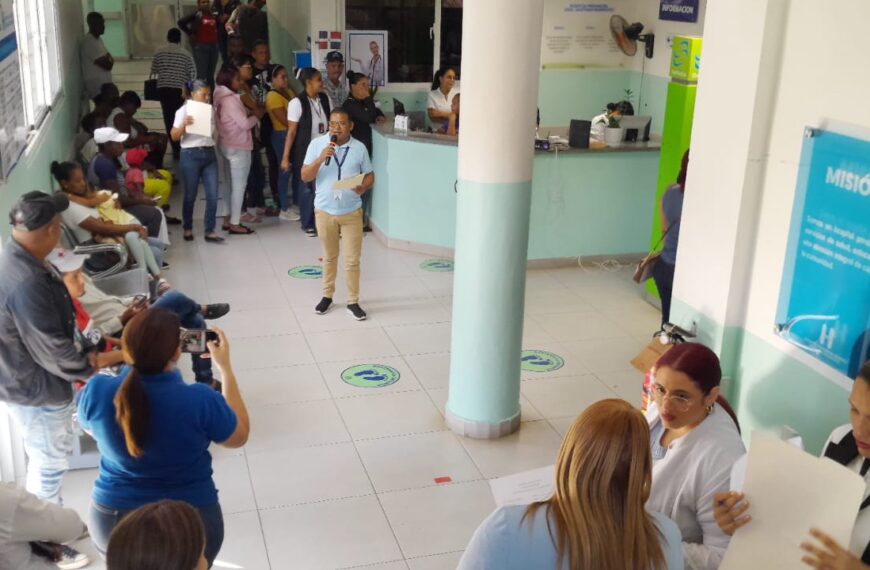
(848, 445)
(198, 159)
(695, 441)
(596, 517)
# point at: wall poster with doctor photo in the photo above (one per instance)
(367, 54)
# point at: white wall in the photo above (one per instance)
(647, 13)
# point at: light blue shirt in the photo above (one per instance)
(505, 541)
(349, 160)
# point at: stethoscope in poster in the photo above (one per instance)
(824, 304)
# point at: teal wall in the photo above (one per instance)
(582, 204)
(769, 388)
(116, 31)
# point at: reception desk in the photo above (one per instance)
(585, 203)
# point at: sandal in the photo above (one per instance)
(214, 239)
(188, 236)
(251, 219)
(240, 232)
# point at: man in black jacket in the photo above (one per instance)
(39, 359)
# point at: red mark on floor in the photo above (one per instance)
(442, 480)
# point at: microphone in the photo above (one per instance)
(332, 140)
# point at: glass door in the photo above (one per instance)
(149, 20)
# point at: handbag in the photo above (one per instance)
(643, 271)
(151, 92)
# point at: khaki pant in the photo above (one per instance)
(348, 229)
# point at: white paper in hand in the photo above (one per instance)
(348, 183)
(790, 492)
(203, 118)
(524, 488)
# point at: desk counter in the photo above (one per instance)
(585, 202)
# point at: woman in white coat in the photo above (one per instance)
(695, 441)
(848, 445)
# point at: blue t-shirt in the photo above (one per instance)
(176, 464)
(349, 160)
(102, 170)
(672, 209)
(505, 541)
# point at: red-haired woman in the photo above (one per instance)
(695, 441)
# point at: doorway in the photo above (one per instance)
(149, 20)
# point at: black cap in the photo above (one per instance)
(36, 209)
(334, 56)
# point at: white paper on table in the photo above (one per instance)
(791, 491)
(524, 488)
(203, 118)
(738, 472)
(348, 183)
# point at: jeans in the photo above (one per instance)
(205, 56)
(47, 432)
(284, 178)
(240, 167)
(347, 230)
(103, 519)
(199, 164)
(171, 100)
(272, 161)
(305, 196)
(663, 275)
(190, 315)
(256, 180)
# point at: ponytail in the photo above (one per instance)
(727, 407)
(132, 413)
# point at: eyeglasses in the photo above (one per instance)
(680, 403)
(337, 124)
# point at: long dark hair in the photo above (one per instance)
(702, 366)
(167, 535)
(684, 170)
(354, 77)
(149, 342)
(621, 107)
(436, 81)
(62, 171)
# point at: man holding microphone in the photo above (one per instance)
(332, 158)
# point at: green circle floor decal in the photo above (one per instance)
(370, 376)
(437, 265)
(541, 361)
(306, 272)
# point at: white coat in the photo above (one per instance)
(696, 467)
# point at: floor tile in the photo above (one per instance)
(259, 322)
(420, 339)
(562, 425)
(243, 546)
(270, 352)
(318, 474)
(335, 534)
(433, 370)
(435, 520)
(295, 425)
(436, 562)
(605, 355)
(234, 484)
(627, 384)
(390, 415)
(534, 445)
(408, 311)
(332, 372)
(360, 344)
(555, 301)
(416, 461)
(282, 385)
(244, 298)
(568, 396)
(575, 326)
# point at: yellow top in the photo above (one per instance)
(275, 100)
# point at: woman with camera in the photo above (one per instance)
(153, 430)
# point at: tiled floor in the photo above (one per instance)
(341, 477)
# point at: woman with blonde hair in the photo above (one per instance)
(596, 518)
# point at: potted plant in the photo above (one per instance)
(613, 133)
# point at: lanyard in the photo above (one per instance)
(315, 107)
(340, 163)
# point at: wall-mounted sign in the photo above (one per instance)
(367, 53)
(679, 10)
(824, 304)
(686, 58)
(578, 33)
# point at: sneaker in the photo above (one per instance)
(311, 232)
(295, 209)
(323, 306)
(289, 216)
(70, 559)
(165, 266)
(356, 312)
(215, 311)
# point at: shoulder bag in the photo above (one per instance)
(644, 269)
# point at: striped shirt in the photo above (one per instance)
(174, 66)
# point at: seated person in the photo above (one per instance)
(25, 520)
(695, 441)
(85, 147)
(107, 100)
(88, 337)
(452, 126)
(86, 223)
(153, 430)
(143, 180)
(123, 118)
(848, 445)
(104, 173)
(596, 517)
(111, 314)
(166, 534)
(614, 111)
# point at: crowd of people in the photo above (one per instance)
(633, 489)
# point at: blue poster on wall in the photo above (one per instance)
(679, 10)
(824, 304)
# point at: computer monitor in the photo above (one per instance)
(398, 107)
(636, 128)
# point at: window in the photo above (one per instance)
(413, 27)
(39, 56)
